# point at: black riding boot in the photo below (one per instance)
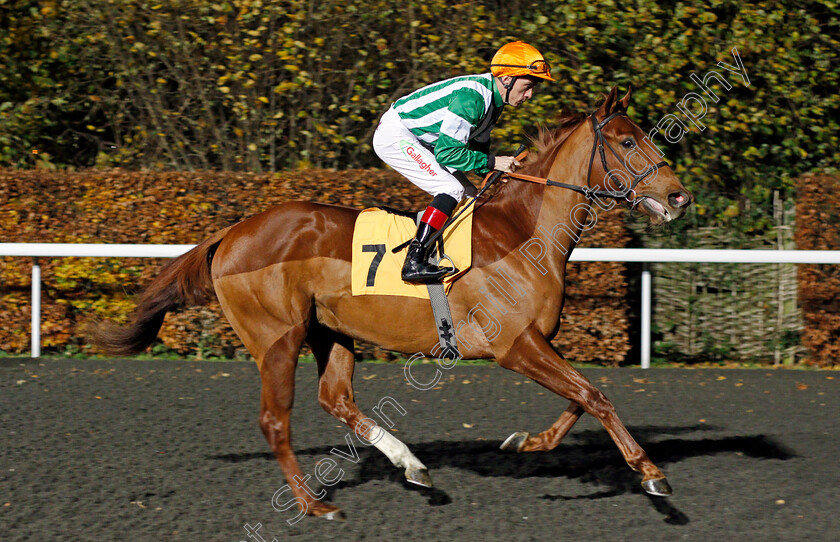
(417, 267)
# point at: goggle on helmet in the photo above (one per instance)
(518, 59)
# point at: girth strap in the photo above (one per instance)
(440, 310)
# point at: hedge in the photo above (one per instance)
(117, 206)
(818, 228)
(256, 86)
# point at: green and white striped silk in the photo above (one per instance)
(454, 118)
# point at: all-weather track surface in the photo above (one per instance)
(163, 450)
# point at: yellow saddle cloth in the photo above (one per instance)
(377, 271)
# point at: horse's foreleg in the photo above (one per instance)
(531, 355)
(548, 439)
(277, 373)
(334, 354)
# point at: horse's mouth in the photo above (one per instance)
(656, 211)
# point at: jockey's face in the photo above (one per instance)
(523, 89)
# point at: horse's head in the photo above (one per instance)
(624, 160)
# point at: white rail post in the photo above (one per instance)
(36, 309)
(646, 303)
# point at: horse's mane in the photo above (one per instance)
(548, 142)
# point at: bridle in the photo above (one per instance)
(598, 144)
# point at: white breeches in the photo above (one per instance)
(400, 149)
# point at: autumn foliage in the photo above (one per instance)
(116, 206)
(250, 85)
(818, 228)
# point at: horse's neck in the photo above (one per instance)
(521, 211)
(556, 215)
(564, 212)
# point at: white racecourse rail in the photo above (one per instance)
(638, 255)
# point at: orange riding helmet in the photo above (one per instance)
(518, 59)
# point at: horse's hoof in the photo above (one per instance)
(515, 442)
(335, 515)
(658, 487)
(418, 476)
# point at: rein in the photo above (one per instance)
(597, 145)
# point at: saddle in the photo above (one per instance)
(379, 236)
(376, 268)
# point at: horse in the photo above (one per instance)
(282, 278)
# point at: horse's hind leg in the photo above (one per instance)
(334, 354)
(277, 373)
(531, 355)
(549, 439)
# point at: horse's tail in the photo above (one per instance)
(183, 282)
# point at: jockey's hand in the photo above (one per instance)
(508, 164)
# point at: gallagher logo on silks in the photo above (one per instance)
(412, 152)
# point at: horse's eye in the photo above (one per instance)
(628, 143)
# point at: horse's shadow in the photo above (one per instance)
(588, 456)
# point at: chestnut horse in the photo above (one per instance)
(283, 278)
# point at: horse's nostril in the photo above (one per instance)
(679, 199)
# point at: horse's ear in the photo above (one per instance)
(626, 100)
(609, 103)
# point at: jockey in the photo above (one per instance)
(436, 133)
